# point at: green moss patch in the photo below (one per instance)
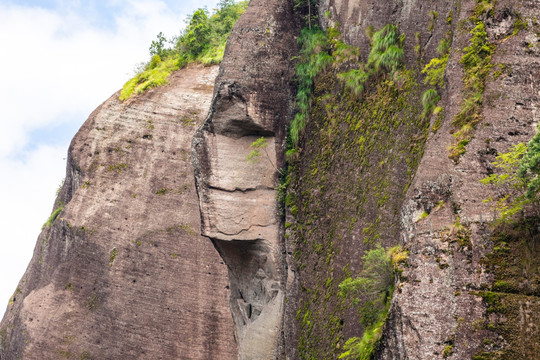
(477, 64)
(53, 217)
(359, 153)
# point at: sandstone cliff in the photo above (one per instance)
(123, 262)
(122, 271)
(372, 170)
(253, 99)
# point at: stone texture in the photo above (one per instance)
(122, 272)
(438, 305)
(411, 16)
(252, 99)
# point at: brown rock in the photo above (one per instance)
(238, 198)
(438, 306)
(122, 272)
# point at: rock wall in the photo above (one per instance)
(347, 187)
(122, 271)
(440, 310)
(252, 99)
(363, 179)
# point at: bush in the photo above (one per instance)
(429, 100)
(53, 217)
(518, 179)
(196, 36)
(387, 50)
(355, 80)
(529, 168)
(202, 41)
(434, 71)
(320, 49)
(371, 292)
(157, 47)
(156, 74)
(205, 37)
(477, 64)
(314, 57)
(386, 56)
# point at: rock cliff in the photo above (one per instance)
(122, 271)
(252, 100)
(381, 164)
(439, 312)
(363, 179)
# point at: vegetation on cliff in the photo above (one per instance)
(518, 179)
(434, 71)
(203, 41)
(515, 259)
(321, 49)
(511, 185)
(360, 120)
(349, 117)
(371, 292)
(477, 65)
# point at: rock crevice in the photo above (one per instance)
(237, 197)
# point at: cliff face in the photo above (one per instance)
(373, 171)
(252, 100)
(123, 263)
(122, 271)
(449, 264)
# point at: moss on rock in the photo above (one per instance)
(358, 157)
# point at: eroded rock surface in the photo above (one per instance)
(237, 197)
(123, 272)
(437, 311)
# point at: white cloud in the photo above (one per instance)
(27, 191)
(58, 63)
(57, 66)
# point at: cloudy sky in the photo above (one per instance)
(59, 60)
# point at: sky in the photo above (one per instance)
(60, 59)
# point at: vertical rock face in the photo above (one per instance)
(411, 16)
(438, 311)
(122, 272)
(359, 156)
(440, 307)
(252, 99)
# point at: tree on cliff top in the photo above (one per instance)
(196, 36)
(203, 40)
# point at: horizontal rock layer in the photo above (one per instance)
(123, 272)
(237, 196)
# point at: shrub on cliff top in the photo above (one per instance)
(203, 41)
